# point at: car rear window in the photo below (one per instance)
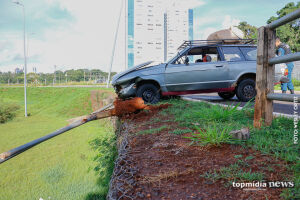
(232, 54)
(250, 53)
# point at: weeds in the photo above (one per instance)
(106, 154)
(212, 136)
(153, 130)
(234, 172)
(7, 111)
(181, 131)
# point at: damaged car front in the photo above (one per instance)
(125, 83)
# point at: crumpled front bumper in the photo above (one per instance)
(128, 91)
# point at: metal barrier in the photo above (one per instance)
(265, 70)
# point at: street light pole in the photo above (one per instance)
(114, 46)
(25, 59)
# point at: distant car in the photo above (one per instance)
(199, 67)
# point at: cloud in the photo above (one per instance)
(229, 21)
(204, 33)
(190, 3)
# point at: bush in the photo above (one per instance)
(7, 111)
(212, 136)
(296, 82)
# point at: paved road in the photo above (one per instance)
(279, 106)
(63, 86)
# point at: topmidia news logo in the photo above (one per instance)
(258, 185)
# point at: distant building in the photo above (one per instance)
(18, 70)
(156, 28)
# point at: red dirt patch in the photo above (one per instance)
(168, 168)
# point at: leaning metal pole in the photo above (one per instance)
(114, 46)
(93, 116)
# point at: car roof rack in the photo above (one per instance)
(188, 43)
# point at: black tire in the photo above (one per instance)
(149, 92)
(245, 90)
(226, 95)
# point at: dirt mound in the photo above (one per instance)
(129, 106)
(133, 105)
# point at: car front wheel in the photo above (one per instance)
(245, 90)
(226, 95)
(149, 93)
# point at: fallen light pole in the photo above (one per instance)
(118, 108)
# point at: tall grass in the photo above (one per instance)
(7, 111)
(211, 135)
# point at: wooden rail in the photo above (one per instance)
(263, 114)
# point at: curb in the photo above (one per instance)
(275, 114)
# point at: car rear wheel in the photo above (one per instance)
(149, 93)
(245, 90)
(226, 95)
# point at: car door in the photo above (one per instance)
(237, 63)
(196, 75)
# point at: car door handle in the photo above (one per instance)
(219, 65)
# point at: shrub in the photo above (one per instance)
(212, 136)
(7, 111)
(296, 82)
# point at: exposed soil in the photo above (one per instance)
(169, 168)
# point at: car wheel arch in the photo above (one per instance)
(246, 76)
(140, 82)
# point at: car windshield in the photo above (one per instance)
(178, 53)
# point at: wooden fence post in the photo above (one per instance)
(263, 113)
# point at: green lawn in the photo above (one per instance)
(65, 167)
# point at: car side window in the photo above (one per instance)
(250, 53)
(232, 54)
(199, 55)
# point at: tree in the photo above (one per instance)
(290, 32)
(250, 31)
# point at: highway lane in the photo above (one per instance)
(278, 106)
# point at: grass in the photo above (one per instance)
(7, 111)
(65, 167)
(295, 82)
(233, 173)
(276, 140)
(153, 130)
(181, 131)
(211, 135)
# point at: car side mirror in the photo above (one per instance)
(187, 60)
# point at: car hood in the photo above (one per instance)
(137, 67)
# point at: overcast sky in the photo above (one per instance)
(79, 34)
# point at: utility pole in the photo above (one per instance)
(25, 61)
(83, 76)
(54, 79)
(114, 46)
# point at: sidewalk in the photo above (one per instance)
(288, 92)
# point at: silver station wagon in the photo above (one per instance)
(199, 67)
